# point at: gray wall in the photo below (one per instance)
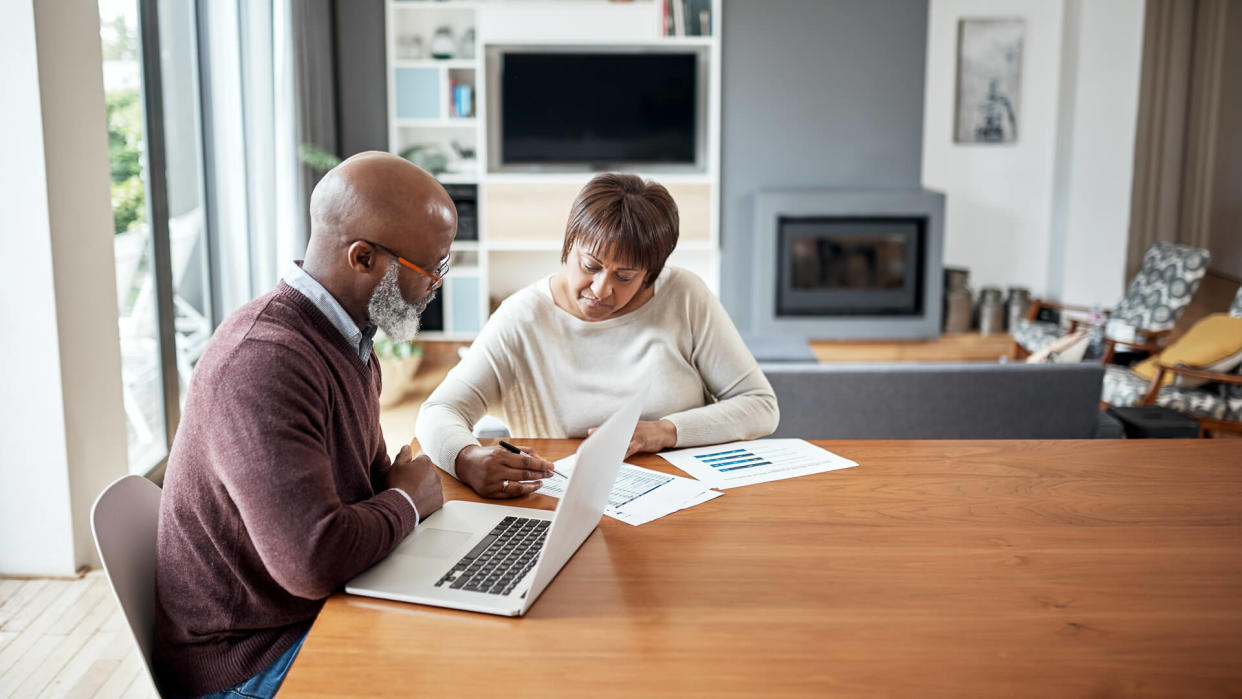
(362, 93)
(825, 93)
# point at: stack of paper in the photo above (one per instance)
(639, 495)
(758, 461)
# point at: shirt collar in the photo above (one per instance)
(361, 339)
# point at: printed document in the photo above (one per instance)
(758, 461)
(639, 495)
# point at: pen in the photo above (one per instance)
(515, 450)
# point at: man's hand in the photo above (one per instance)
(649, 436)
(419, 478)
(495, 472)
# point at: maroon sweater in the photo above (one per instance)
(269, 500)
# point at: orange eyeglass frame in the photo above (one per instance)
(437, 279)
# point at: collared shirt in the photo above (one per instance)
(361, 339)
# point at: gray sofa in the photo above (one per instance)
(940, 401)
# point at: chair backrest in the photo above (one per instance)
(124, 521)
(1162, 289)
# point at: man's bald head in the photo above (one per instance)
(380, 198)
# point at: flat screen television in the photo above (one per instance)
(595, 109)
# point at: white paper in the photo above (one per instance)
(758, 461)
(702, 498)
(639, 495)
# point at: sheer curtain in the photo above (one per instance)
(256, 209)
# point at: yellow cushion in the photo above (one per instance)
(1213, 339)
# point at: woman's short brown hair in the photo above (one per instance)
(622, 216)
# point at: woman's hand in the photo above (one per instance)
(495, 472)
(650, 436)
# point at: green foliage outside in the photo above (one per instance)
(317, 158)
(129, 208)
(119, 40)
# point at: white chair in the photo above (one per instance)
(124, 521)
(490, 426)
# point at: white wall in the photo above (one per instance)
(62, 428)
(1051, 210)
(1092, 206)
(997, 197)
(32, 447)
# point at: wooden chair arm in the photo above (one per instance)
(1157, 381)
(1110, 349)
(1206, 375)
(1039, 304)
(1151, 336)
(1150, 341)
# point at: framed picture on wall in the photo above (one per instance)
(989, 73)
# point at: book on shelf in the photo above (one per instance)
(461, 99)
(698, 17)
(686, 17)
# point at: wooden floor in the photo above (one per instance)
(66, 638)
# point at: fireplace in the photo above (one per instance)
(834, 264)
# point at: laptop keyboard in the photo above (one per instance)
(500, 561)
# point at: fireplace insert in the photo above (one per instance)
(848, 264)
(841, 266)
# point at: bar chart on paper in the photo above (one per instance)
(757, 461)
(732, 460)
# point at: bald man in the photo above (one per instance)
(279, 487)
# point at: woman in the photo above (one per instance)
(558, 356)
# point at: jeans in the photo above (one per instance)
(264, 684)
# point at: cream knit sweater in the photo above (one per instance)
(546, 373)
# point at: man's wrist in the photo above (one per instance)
(410, 500)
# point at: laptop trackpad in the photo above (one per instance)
(435, 543)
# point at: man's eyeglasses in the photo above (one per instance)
(437, 279)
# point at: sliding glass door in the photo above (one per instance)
(162, 261)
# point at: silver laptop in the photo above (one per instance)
(495, 558)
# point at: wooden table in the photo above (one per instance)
(990, 568)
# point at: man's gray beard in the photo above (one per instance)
(389, 310)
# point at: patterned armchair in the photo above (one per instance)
(1216, 402)
(1159, 294)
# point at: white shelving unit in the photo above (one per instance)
(521, 216)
